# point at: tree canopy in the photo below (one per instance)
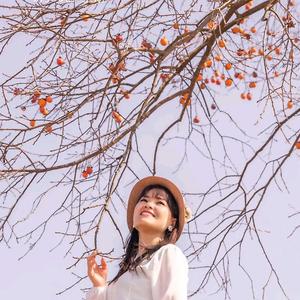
(106, 92)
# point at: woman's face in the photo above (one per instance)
(159, 217)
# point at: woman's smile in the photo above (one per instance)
(147, 212)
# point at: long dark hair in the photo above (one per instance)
(129, 262)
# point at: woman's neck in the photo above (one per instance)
(147, 243)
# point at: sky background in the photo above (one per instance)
(43, 272)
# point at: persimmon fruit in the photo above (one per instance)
(236, 29)
(85, 17)
(42, 102)
(117, 117)
(118, 38)
(37, 93)
(164, 41)
(222, 43)
(48, 99)
(228, 82)
(176, 25)
(32, 123)
(196, 120)
(85, 174)
(228, 66)
(60, 61)
(89, 170)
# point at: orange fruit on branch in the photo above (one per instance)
(164, 41)
(48, 99)
(48, 128)
(199, 77)
(208, 63)
(202, 86)
(85, 174)
(176, 25)
(32, 123)
(60, 61)
(63, 21)
(269, 57)
(186, 30)
(290, 104)
(222, 43)
(236, 29)
(117, 117)
(44, 110)
(211, 25)
(240, 52)
(37, 93)
(261, 52)
(85, 17)
(217, 73)
(118, 38)
(115, 78)
(196, 120)
(228, 82)
(277, 51)
(184, 101)
(17, 91)
(126, 94)
(89, 170)
(228, 66)
(42, 102)
(252, 84)
(252, 50)
(218, 57)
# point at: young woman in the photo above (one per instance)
(153, 267)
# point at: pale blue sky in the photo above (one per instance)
(42, 274)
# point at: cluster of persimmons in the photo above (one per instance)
(212, 71)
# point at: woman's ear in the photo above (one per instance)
(173, 222)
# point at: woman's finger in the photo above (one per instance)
(91, 260)
(103, 263)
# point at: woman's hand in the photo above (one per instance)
(97, 274)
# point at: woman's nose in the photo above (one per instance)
(148, 204)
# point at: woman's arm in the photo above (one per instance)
(170, 278)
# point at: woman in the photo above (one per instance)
(153, 267)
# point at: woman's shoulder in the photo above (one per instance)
(170, 250)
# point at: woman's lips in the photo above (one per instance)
(145, 213)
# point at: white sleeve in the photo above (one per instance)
(170, 278)
(97, 293)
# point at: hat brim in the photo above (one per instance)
(150, 180)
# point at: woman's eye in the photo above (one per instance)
(161, 202)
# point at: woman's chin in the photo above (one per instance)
(144, 224)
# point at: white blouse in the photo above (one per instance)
(165, 278)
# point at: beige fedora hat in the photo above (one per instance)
(184, 211)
